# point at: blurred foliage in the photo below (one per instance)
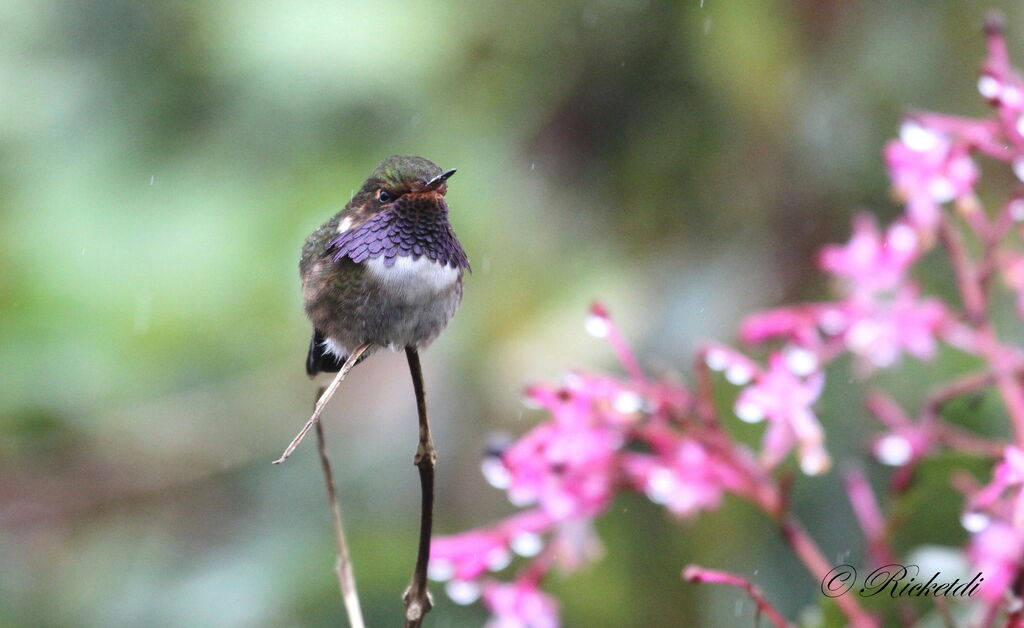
(161, 163)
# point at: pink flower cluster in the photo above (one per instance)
(995, 514)
(603, 434)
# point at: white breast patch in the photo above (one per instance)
(422, 278)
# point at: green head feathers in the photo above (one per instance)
(400, 170)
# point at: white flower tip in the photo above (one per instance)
(989, 87)
(902, 237)
(832, 322)
(498, 558)
(893, 450)
(1016, 209)
(800, 361)
(440, 570)
(495, 472)
(462, 592)
(521, 498)
(916, 137)
(815, 462)
(628, 402)
(749, 412)
(1018, 168)
(941, 189)
(738, 374)
(974, 521)
(716, 359)
(660, 485)
(597, 326)
(1012, 96)
(527, 544)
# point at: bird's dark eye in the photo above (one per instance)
(384, 196)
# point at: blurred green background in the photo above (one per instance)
(162, 162)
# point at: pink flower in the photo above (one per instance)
(467, 556)
(1008, 474)
(1003, 87)
(520, 604)
(799, 324)
(996, 552)
(683, 476)
(869, 261)
(785, 398)
(928, 169)
(880, 329)
(565, 465)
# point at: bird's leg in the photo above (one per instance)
(324, 398)
(417, 599)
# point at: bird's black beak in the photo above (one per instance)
(436, 182)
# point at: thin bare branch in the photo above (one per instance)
(343, 566)
(324, 398)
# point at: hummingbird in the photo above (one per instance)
(387, 269)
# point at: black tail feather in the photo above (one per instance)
(319, 359)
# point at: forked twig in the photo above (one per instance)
(321, 403)
(343, 566)
(417, 599)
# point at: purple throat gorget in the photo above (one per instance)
(396, 233)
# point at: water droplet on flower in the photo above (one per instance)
(749, 412)
(527, 544)
(597, 326)
(800, 361)
(716, 359)
(440, 570)
(916, 137)
(893, 450)
(1018, 168)
(974, 521)
(628, 402)
(738, 374)
(989, 86)
(498, 558)
(463, 592)
(495, 472)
